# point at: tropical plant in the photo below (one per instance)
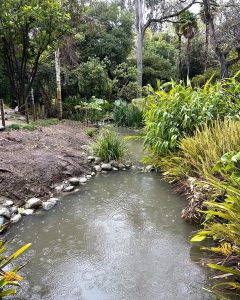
(176, 110)
(9, 278)
(109, 146)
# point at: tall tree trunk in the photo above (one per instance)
(33, 105)
(179, 56)
(188, 57)
(206, 62)
(58, 81)
(223, 66)
(139, 50)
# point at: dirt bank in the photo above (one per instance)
(32, 161)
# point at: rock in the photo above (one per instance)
(69, 188)
(149, 168)
(13, 209)
(89, 176)
(16, 218)
(93, 173)
(4, 212)
(59, 188)
(114, 163)
(83, 180)
(49, 204)
(121, 166)
(3, 220)
(106, 167)
(8, 203)
(104, 172)
(134, 168)
(97, 160)
(115, 169)
(27, 212)
(33, 203)
(74, 181)
(128, 165)
(91, 158)
(53, 199)
(97, 168)
(124, 169)
(2, 128)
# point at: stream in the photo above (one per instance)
(119, 237)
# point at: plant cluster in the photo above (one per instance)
(176, 110)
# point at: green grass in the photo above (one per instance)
(109, 146)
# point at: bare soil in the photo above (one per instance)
(31, 162)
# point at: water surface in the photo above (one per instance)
(119, 237)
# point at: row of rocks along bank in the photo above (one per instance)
(10, 213)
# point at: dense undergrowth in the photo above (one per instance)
(194, 137)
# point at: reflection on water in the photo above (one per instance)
(120, 237)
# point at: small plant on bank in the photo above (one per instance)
(91, 132)
(109, 146)
(9, 278)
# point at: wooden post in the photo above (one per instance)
(2, 113)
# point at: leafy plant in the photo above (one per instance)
(9, 278)
(109, 146)
(176, 110)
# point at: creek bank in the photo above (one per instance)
(11, 213)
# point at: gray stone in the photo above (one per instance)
(149, 168)
(121, 166)
(97, 168)
(3, 220)
(104, 172)
(114, 163)
(2, 128)
(69, 188)
(115, 169)
(8, 203)
(13, 209)
(49, 204)
(89, 176)
(91, 158)
(93, 173)
(133, 168)
(4, 212)
(53, 199)
(27, 212)
(106, 167)
(33, 203)
(16, 218)
(74, 181)
(59, 188)
(83, 180)
(128, 165)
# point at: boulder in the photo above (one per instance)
(33, 203)
(149, 168)
(121, 166)
(114, 163)
(16, 218)
(8, 203)
(97, 160)
(69, 188)
(3, 220)
(74, 181)
(13, 209)
(49, 204)
(91, 158)
(97, 168)
(27, 212)
(83, 180)
(106, 167)
(4, 212)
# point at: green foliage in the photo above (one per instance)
(127, 115)
(91, 132)
(10, 277)
(176, 110)
(200, 80)
(109, 146)
(158, 59)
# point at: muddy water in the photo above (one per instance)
(119, 237)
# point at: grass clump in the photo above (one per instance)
(91, 132)
(109, 146)
(34, 125)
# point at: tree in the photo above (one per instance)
(157, 12)
(27, 28)
(225, 36)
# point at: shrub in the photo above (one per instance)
(199, 153)
(176, 110)
(109, 146)
(128, 115)
(91, 132)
